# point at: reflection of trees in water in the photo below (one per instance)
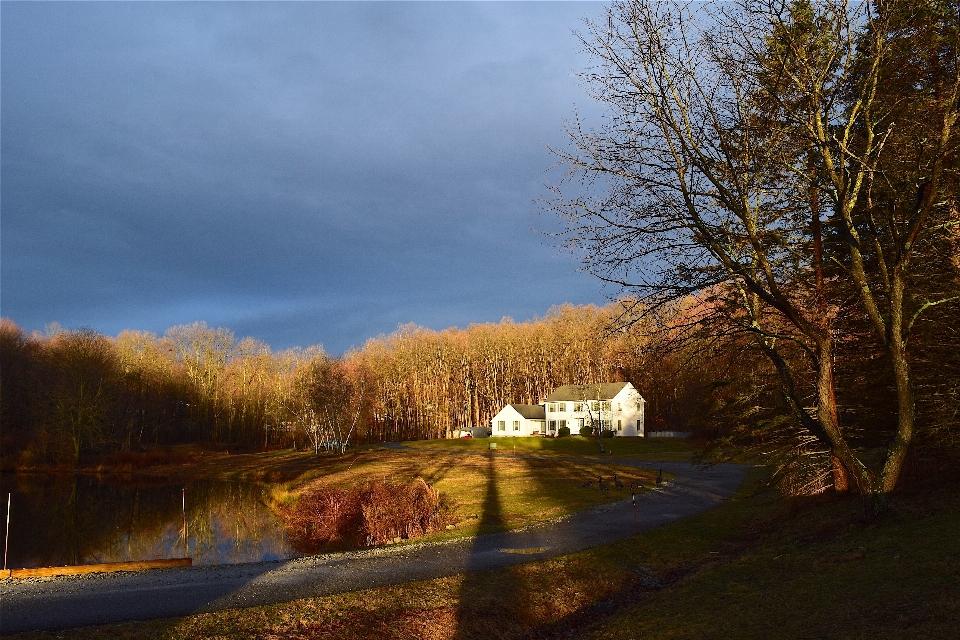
(75, 519)
(230, 524)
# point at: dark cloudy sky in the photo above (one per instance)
(302, 173)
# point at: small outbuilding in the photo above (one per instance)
(519, 420)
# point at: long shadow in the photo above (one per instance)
(487, 599)
(531, 594)
(442, 468)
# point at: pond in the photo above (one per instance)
(65, 519)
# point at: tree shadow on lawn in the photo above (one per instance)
(516, 600)
(485, 598)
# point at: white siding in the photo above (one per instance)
(508, 415)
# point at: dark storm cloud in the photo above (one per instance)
(300, 172)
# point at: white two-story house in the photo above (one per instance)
(614, 406)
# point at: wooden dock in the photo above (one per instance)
(42, 572)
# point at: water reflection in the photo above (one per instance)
(77, 519)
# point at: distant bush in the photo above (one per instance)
(332, 518)
(563, 432)
(607, 433)
(586, 431)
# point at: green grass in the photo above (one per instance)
(489, 492)
(816, 569)
(528, 490)
(661, 449)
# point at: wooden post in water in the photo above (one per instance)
(183, 496)
(6, 538)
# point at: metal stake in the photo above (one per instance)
(183, 496)
(6, 538)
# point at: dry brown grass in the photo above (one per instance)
(133, 461)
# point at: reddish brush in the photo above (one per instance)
(402, 511)
(326, 518)
(375, 514)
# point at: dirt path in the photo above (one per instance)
(60, 603)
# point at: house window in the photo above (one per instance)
(618, 407)
(580, 423)
(551, 408)
(563, 423)
(553, 425)
(516, 425)
(619, 425)
(578, 406)
(562, 406)
(594, 405)
(605, 406)
(605, 424)
(501, 425)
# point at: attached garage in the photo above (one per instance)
(516, 420)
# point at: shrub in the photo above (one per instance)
(607, 433)
(563, 432)
(326, 518)
(402, 511)
(373, 514)
(586, 431)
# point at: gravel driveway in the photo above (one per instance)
(50, 604)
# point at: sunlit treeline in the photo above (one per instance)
(68, 392)
(432, 384)
(65, 393)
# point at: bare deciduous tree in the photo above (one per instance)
(727, 125)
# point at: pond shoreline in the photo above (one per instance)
(82, 519)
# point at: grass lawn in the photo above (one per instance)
(661, 449)
(757, 566)
(188, 461)
(489, 492)
(528, 490)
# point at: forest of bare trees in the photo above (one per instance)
(70, 392)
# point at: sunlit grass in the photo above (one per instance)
(663, 449)
(282, 466)
(528, 490)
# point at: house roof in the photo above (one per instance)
(580, 392)
(530, 411)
